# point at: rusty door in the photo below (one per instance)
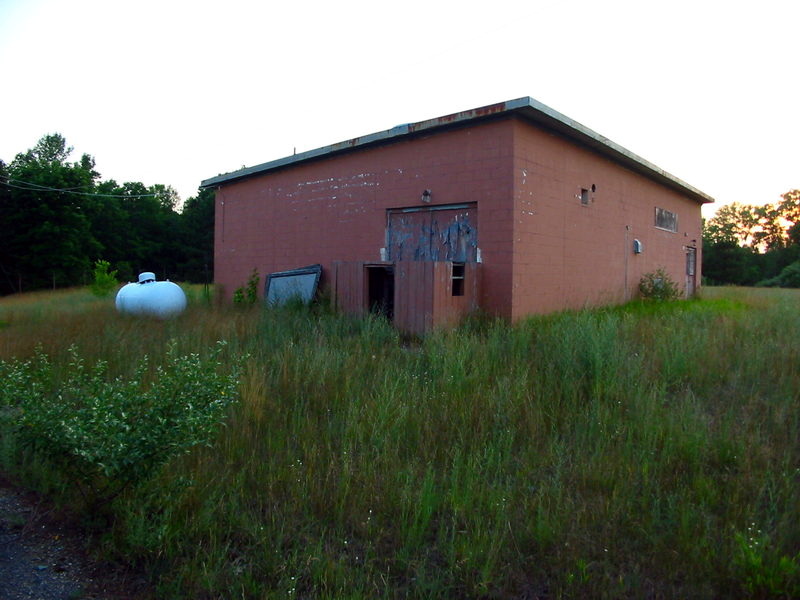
(433, 233)
(691, 268)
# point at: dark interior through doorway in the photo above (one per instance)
(380, 289)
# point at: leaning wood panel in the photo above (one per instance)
(349, 286)
(413, 296)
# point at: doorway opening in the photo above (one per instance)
(380, 290)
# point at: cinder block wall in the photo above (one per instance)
(542, 249)
(335, 209)
(568, 254)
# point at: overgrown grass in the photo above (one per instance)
(649, 450)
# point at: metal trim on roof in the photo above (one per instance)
(526, 108)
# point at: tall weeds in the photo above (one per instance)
(635, 451)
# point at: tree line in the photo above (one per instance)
(746, 244)
(58, 218)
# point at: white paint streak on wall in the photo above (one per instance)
(320, 190)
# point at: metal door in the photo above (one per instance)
(691, 269)
(435, 233)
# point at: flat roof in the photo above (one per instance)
(527, 108)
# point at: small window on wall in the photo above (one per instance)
(666, 220)
(458, 279)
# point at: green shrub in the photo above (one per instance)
(658, 285)
(789, 277)
(109, 434)
(251, 289)
(104, 279)
(248, 293)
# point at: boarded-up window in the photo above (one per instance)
(666, 219)
(437, 233)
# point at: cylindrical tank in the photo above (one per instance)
(148, 297)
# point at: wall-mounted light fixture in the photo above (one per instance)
(426, 196)
(637, 247)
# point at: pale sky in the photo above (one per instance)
(175, 92)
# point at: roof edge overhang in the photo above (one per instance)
(526, 108)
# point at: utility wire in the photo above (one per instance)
(33, 187)
(77, 187)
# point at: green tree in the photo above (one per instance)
(745, 244)
(112, 228)
(139, 228)
(732, 222)
(58, 218)
(47, 235)
(197, 225)
(725, 262)
(105, 280)
(765, 227)
(8, 283)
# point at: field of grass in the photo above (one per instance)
(650, 450)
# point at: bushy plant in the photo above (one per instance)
(111, 433)
(658, 285)
(789, 277)
(251, 290)
(248, 294)
(105, 280)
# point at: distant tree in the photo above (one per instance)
(145, 235)
(197, 225)
(58, 219)
(8, 283)
(732, 222)
(794, 234)
(47, 235)
(746, 244)
(167, 197)
(112, 228)
(762, 227)
(725, 262)
(789, 277)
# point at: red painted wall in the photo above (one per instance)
(541, 248)
(571, 255)
(335, 209)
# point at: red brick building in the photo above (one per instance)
(513, 208)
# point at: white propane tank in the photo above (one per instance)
(148, 297)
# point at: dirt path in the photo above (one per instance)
(43, 558)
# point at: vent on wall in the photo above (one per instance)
(637, 247)
(587, 195)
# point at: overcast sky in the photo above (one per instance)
(176, 92)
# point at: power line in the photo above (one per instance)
(77, 187)
(34, 187)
